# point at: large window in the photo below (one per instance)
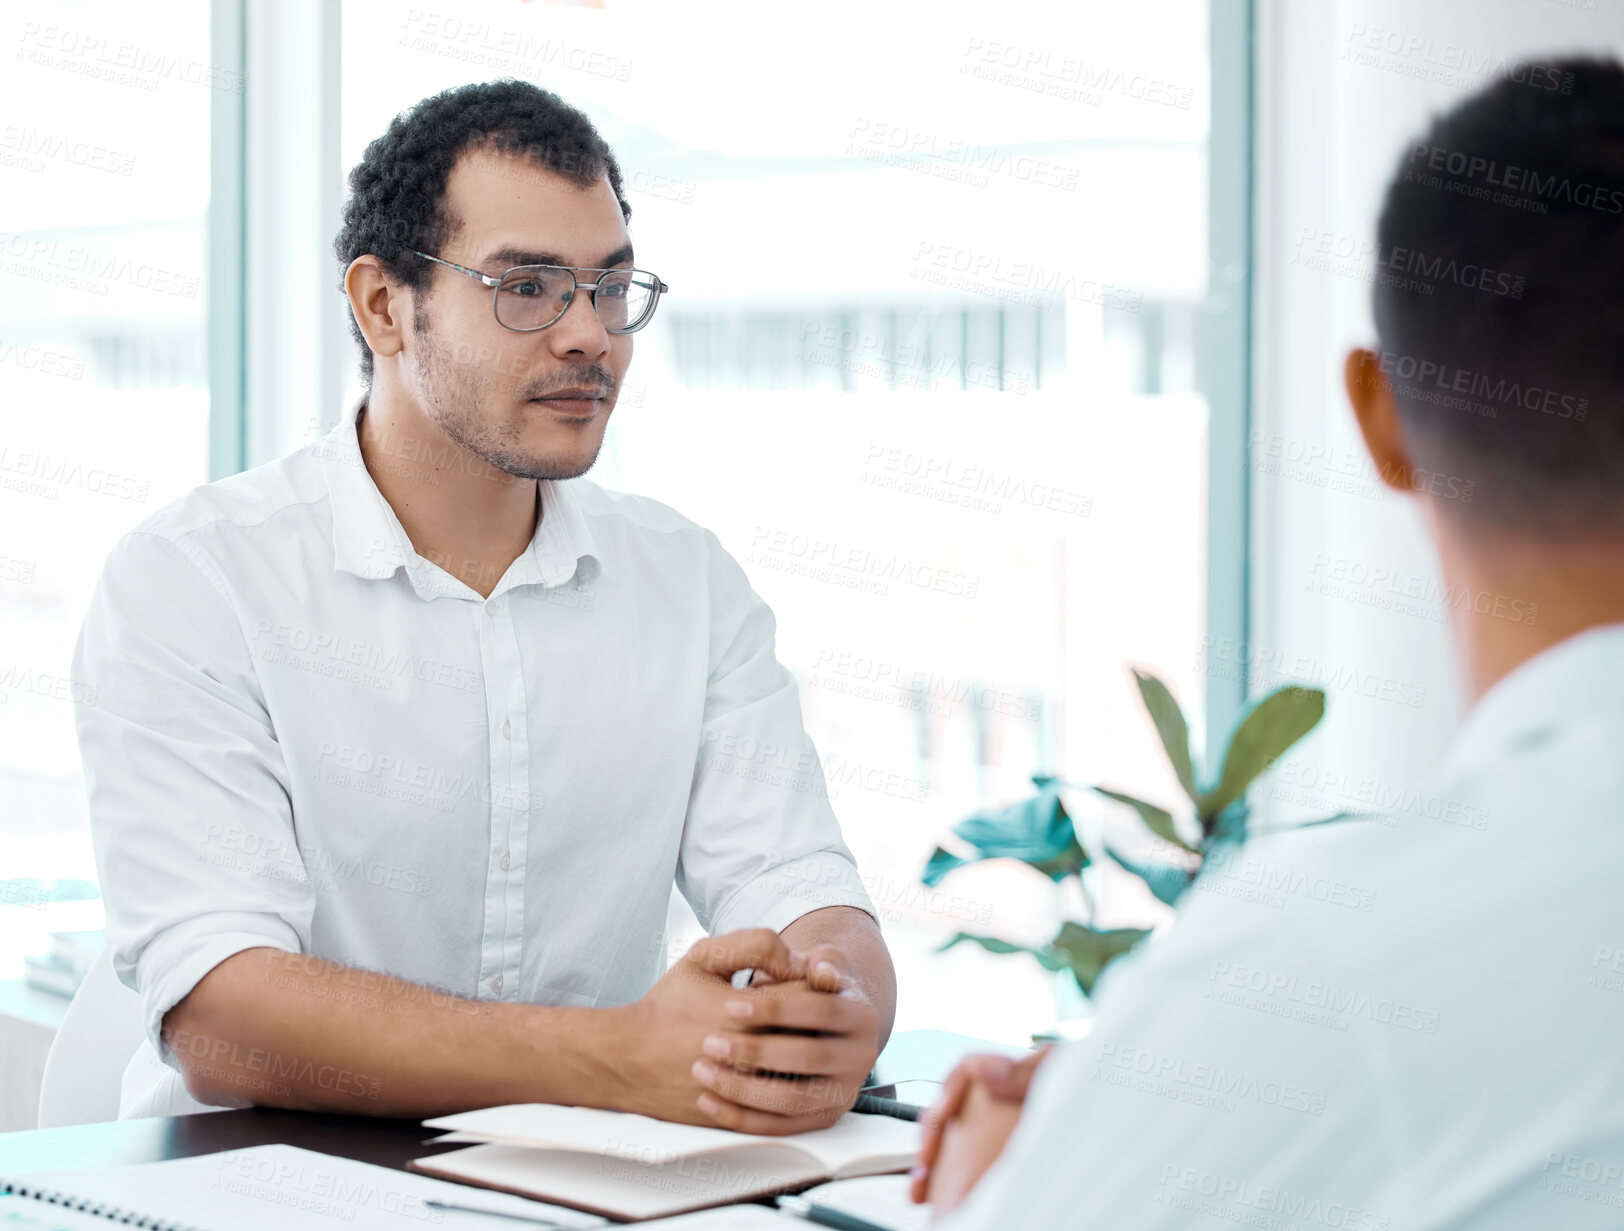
(104, 183)
(928, 367)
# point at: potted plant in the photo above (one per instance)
(1038, 831)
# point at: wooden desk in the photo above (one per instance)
(922, 1054)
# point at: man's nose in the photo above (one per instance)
(579, 329)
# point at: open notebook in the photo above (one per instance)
(633, 1167)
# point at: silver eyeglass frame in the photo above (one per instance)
(575, 271)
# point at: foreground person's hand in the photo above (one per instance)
(965, 1132)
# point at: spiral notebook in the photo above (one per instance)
(263, 1188)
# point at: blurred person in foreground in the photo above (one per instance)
(1450, 1057)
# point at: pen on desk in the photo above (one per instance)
(811, 1211)
(535, 1220)
(879, 1105)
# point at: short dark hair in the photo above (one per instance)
(1498, 301)
(397, 191)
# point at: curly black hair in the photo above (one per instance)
(397, 191)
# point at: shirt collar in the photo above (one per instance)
(369, 541)
(1578, 676)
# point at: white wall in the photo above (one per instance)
(1343, 85)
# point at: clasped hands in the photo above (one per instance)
(784, 1055)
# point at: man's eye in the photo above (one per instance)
(615, 290)
(526, 288)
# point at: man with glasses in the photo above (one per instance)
(401, 741)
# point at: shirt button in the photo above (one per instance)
(496, 985)
(504, 861)
(507, 729)
(490, 606)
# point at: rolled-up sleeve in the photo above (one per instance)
(761, 846)
(186, 785)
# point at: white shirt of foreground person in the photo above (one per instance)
(306, 736)
(1406, 1022)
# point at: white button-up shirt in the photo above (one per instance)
(306, 736)
(1414, 1021)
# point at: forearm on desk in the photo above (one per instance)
(868, 962)
(280, 1029)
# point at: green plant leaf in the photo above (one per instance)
(1167, 881)
(1171, 726)
(1037, 831)
(1271, 726)
(1051, 959)
(1158, 820)
(940, 864)
(1086, 952)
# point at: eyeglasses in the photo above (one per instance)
(531, 297)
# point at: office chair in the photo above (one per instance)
(86, 1063)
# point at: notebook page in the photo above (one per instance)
(622, 1188)
(642, 1139)
(270, 1188)
(589, 1129)
(21, 1214)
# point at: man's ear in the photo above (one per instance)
(379, 309)
(1377, 413)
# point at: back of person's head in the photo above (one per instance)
(396, 204)
(1499, 301)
